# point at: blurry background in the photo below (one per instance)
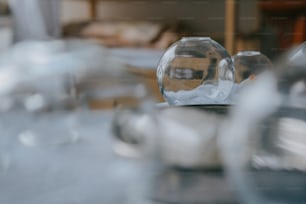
(254, 19)
(148, 27)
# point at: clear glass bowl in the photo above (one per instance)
(263, 142)
(248, 64)
(195, 70)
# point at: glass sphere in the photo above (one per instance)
(195, 70)
(248, 64)
(263, 142)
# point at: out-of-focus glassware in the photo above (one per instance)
(189, 135)
(263, 142)
(35, 19)
(296, 54)
(37, 90)
(195, 70)
(164, 136)
(248, 64)
(53, 146)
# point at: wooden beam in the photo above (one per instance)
(230, 25)
(299, 30)
(93, 9)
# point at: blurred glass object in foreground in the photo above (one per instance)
(182, 137)
(49, 71)
(196, 70)
(54, 148)
(35, 19)
(183, 152)
(263, 142)
(296, 55)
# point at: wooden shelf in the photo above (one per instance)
(288, 17)
(282, 6)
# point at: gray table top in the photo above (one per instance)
(196, 187)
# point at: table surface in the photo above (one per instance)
(197, 187)
(82, 170)
(86, 170)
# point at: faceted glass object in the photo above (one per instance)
(248, 64)
(263, 142)
(196, 70)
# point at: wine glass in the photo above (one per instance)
(195, 70)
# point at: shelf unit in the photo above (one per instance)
(230, 21)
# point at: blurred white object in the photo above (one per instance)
(53, 69)
(179, 136)
(263, 142)
(189, 138)
(35, 19)
(6, 39)
(52, 154)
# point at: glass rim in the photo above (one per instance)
(195, 38)
(248, 53)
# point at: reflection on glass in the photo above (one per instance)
(248, 64)
(195, 70)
